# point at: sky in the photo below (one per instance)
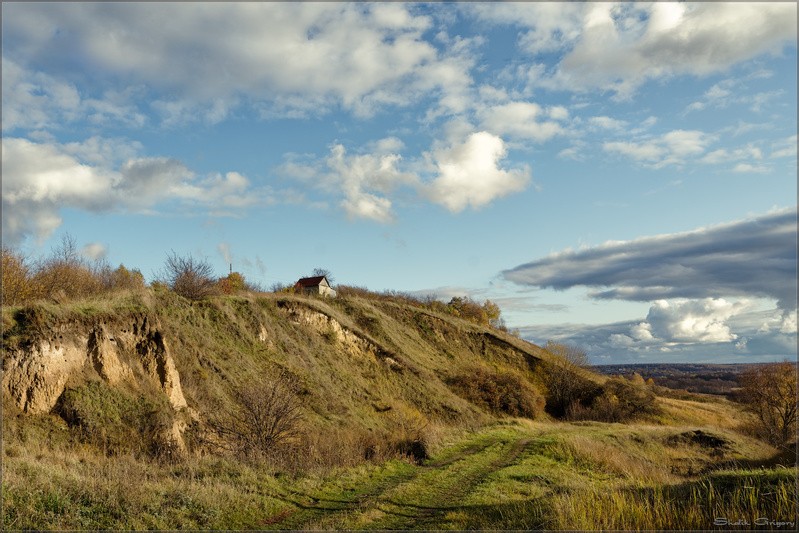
(620, 176)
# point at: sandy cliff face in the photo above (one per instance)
(36, 374)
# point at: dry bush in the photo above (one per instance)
(769, 391)
(567, 390)
(65, 275)
(267, 415)
(124, 279)
(233, 283)
(498, 392)
(188, 276)
(16, 283)
(620, 401)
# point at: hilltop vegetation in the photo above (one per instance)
(137, 407)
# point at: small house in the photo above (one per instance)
(315, 285)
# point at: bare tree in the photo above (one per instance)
(188, 276)
(267, 415)
(323, 272)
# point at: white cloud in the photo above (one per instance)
(35, 100)
(363, 180)
(723, 155)
(747, 168)
(95, 251)
(549, 26)
(785, 148)
(607, 123)
(671, 148)
(523, 120)
(693, 320)
(465, 172)
(286, 57)
(468, 173)
(619, 46)
(41, 179)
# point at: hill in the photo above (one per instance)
(147, 410)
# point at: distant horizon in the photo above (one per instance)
(618, 176)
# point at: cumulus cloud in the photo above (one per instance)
(748, 258)
(283, 55)
(469, 175)
(41, 179)
(619, 46)
(459, 174)
(701, 331)
(671, 148)
(524, 120)
(364, 180)
(691, 320)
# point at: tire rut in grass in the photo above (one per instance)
(445, 487)
(309, 508)
(448, 480)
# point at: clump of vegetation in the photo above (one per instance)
(499, 392)
(769, 391)
(620, 401)
(567, 390)
(62, 276)
(116, 421)
(188, 276)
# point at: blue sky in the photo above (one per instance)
(621, 176)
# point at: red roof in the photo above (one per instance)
(310, 282)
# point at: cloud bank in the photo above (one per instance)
(749, 258)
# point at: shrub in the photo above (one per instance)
(566, 388)
(66, 275)
(498, 392)
(231, 284)
(620, 401)
(769, 391)
(268, 414)
(124, 279)
(188, 276)
(16, 283)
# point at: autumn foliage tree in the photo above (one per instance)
(770, 392)
(232, 283)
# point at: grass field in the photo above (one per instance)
(515, 475)
(374, 376)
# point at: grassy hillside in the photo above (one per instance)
(410, 418)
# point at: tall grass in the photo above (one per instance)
(747, 497)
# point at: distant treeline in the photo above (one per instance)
(720, 379)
